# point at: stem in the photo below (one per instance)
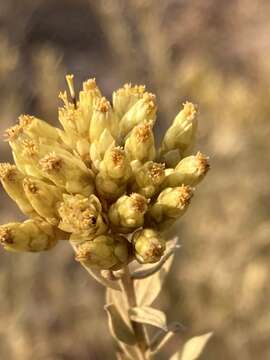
(128, 288)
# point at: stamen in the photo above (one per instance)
(203, 163)
(7, 171)
(51, 162)
(102, 105)
(139, 203)
(143, 131)
(13, 132)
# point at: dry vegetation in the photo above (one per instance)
(213, 54)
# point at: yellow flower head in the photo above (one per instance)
(100, 181)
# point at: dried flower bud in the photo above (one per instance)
(44, 198)
(27, 150)
(81, 215)
(31, 235)
(140, 144)
(12, 180)
(171, 203)
(181, 134)
(39, 130)
(104, 252)
(87, 98)
(98, 148)
(114, 173)
(148, 178)
(67, 115)
(32, 128)
(67, 172)
(143, 110)
(190, 171)
(116, 164)
(103, 118)
(125, 97)
(128, 212)
(149, 246)
(75, 121)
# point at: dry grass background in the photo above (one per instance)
(215, 53)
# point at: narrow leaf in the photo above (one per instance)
(161, 338)
(193, 347)
(130, 352)
(148, 289)
(119, 329)
(118, 298)
(149, 315)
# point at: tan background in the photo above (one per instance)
(215, 53)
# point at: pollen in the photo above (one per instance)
(184, 196)
(102, 105)
(29, 148)
(51, 162)
(202, 163)
(139, 203)
(12, 133)
(157, 172)
(25, 120)
(150, 100)
(189, 110)
(8, 171)
(144, 131)
(6, 236)
(117, 156)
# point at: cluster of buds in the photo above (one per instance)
(101, 182)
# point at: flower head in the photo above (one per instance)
(100, 181)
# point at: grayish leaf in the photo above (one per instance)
(130, 352)
(119, 329)
(149, 315)
(161, 338)
(194, 347)
(118, 298)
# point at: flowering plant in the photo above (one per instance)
(101, 183)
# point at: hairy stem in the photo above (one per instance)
(128, 288)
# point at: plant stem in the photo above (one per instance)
(128, 288)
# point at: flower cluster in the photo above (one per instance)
(100, 182)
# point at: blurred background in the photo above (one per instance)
(214, 53)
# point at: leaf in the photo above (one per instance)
(119, 329)
(175, 356)
(149, 315)
(119, 300)
(192, 348)
(130, 352)
(148, 289)
(161, 338)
